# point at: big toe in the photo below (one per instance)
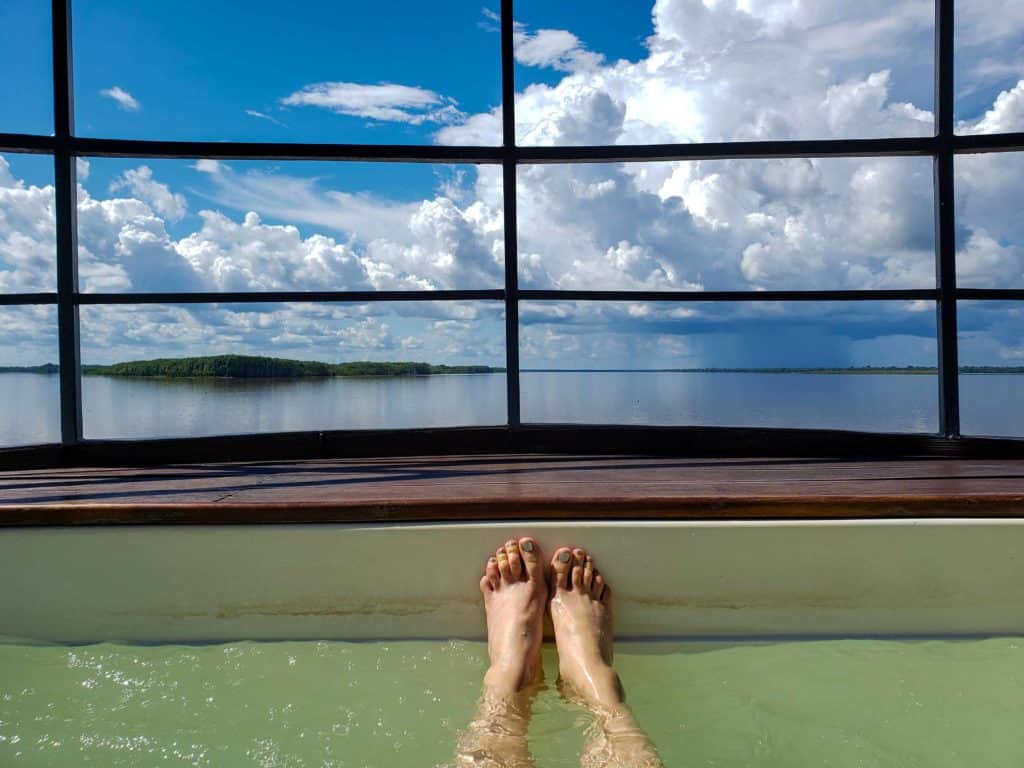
(529, 551)
(561, 567)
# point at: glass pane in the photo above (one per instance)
(316, 71)
(28, 243)
(176, 225)
(859, 223)
(989, 66)
(992, 368)
(29, 388)
(856, 365)
(187, 394)
(612, 72)
(26, 61)
(990, 227)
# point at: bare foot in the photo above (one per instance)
(514, 596)
(582, 618)
(515, 593)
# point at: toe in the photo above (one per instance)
(530, 553)
(515, 562)
(503, 567)
(606, 596)
(491, 573)
(579, 557)
(561, 564)
(597, 587)
(588, 573)
(485, 585)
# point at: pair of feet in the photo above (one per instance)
(518, 585)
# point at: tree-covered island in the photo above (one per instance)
(254, 367)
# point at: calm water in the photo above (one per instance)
(788, 705)
(121, 407)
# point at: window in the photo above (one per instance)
(666, 214)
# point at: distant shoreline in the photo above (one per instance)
(253, 367)
(866, 370)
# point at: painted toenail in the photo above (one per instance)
(565, 557)
(527, 546)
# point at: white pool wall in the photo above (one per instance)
(735, 579)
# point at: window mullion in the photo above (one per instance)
(65, 216)
(508, 169)
(945, 224)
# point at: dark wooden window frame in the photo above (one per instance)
(65, 146)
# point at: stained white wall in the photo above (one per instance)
(685, 579)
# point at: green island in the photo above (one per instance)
(254, 367)
(251, 367)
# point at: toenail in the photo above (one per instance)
(565, 557)
(527, 546)
(491, 560)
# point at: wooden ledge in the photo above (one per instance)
(489, 510)
(521, 487)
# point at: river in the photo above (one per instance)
(991, 404)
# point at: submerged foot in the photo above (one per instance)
(515, 593)
(582, 619)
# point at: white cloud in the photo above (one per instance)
(140, 182)
(387, 102)
(555, 48)
(262, 116)
(124, 99)
(1005, 116)
(27, 239)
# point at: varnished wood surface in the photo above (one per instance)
(513, 486)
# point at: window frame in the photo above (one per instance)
(65, 146)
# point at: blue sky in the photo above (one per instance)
(603, 71)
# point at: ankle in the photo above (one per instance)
(597, 684)
(507, 679)
(587, 664)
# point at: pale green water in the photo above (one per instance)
(841, 703)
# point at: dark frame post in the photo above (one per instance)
(66, 221)
(945, 225)
(508, 169)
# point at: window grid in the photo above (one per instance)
(65, 147)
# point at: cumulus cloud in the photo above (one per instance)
(555, 48)
(388, 102)
(140, 182)
(124, 99)
(27, 235)
(1005, 116)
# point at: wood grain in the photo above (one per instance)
(501, 487)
